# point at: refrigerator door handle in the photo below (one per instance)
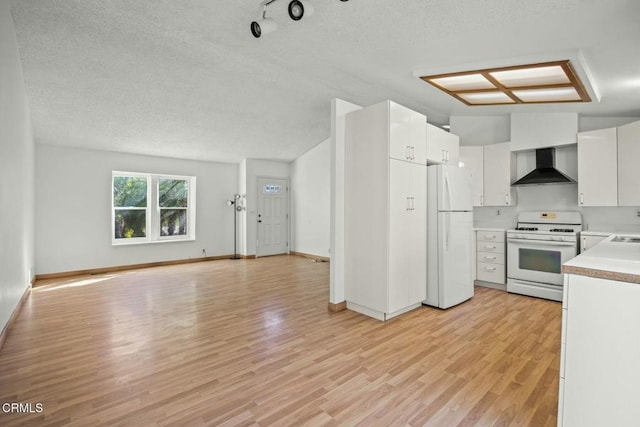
(447, 205)
(447, 231)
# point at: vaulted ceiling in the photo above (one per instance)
(185, 78)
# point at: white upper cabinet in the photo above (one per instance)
(407, 134)
(442, 146)
(472, 159)
(499, 173)
(598, 168)
(629, 164)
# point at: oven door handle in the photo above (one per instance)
(541, 242)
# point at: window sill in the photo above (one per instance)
(151, 242)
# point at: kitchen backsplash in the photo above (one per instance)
(558, 197)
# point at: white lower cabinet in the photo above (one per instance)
(599, 372)
(588, 240)
(491, 256)
(385, 218)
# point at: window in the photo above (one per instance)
(152, 208)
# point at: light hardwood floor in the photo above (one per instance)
(250, 342)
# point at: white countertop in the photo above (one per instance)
(608, 260)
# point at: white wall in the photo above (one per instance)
(311, 201)
(254, 169)
(339, 109)
(16, 174)
(73, 218)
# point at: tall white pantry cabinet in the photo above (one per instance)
(385, 210)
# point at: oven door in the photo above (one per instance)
(538, 260)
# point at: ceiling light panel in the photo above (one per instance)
(463, 82)
(568, 94)
(534, 76)
(486, 98)
(534, 83)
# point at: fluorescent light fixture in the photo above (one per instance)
(522, 84)
(486, 98)
(554, 75)
(464, 82)
(568, 94)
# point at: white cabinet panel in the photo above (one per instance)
(472, 159)
(598, 168)
(442, 146)
(602, 351)
(407, 134)
(628, 164)
(385, 212)
(499, 173)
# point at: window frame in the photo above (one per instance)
(153, 209)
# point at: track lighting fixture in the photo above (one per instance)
(264, 25)
(297, 10)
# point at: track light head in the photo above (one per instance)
(300, 8)
(263, 26)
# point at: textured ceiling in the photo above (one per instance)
(185, 78)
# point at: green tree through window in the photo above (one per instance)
(130, 205)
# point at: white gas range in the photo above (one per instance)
(536, 250)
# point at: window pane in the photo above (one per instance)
(271, 188)
(129, 191)
(130, 223)
(173, 193)
(173, 222)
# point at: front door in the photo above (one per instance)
(273, 216)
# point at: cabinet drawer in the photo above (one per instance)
(491, 257)
(491, 236)
(495, 247)
(491, 272)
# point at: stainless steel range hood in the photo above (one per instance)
(545, 171)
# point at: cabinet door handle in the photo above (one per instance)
(482, 200)
(407, 153)
(582, 198)
(506, 198)
(411, 205)
(444, 156)
(413, 153)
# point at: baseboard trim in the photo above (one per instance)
(337, 307)
(129, 267)
(14, 316)
(491, 285)
(311, 256)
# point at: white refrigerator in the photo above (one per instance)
(449, 236)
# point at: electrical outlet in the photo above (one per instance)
(638, 213)
(498, 212)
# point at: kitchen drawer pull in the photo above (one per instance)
(489, 269)
(490, 258)
(489, 247)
